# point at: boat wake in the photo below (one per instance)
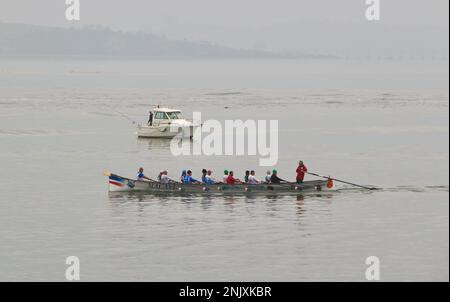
(418, 189)
(31, 132)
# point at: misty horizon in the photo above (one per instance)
(97, 40)
(24, 39)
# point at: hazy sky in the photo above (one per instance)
(136, 14)
(265, 24)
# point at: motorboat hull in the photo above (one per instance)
(164, 131)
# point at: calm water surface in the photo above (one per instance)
(377, 123)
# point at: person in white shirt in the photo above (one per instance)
(225, 176)
(164, 178)
(252, 179)
(159, 175)
(268, 176)
(209, 179)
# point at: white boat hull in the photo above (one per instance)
(164, 131)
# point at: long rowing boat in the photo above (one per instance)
(124, 184)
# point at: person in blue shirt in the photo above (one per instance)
(188, 179)
(209, 179)
(141, 176)
(183, 175)
(204, 179)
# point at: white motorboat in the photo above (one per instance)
(166, 123)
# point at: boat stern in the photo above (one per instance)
(117, 183)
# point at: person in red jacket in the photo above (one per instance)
(301, 170)
(231, 180)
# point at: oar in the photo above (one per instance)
(343, 181)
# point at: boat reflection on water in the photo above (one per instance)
(159, 143)
(141, 196)
(272, 201)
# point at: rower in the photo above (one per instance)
(160, 174)
(165, 179)
(252, 179)
(247, 175)
(274, 178)
(268, 175)
(183, 175)
(231, 180)
(141, 176)
(209, 179)
(204, 173)
(188, 179)
(225, 176)
(301, 170)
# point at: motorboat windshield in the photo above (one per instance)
(175, 115)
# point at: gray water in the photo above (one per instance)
(377, 123)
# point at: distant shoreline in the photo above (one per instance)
(31, 41)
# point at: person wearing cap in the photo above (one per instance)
(274, 178)
(301, 170)
(225, 176)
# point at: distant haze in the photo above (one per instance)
(407, 28)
